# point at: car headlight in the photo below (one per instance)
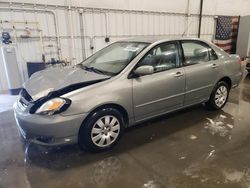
(53, 106)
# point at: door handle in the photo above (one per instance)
(214, 66)
(178, 74)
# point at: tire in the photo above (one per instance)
(96, 134)
(219, 96)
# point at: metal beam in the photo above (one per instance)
(200, 18)
(82, 33)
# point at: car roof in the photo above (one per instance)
(154, 39)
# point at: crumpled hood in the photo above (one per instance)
(53, 79)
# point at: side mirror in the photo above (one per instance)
(144, 70)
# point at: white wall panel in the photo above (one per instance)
(225, 7)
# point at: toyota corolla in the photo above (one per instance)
(123, 84)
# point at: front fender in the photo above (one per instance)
(85, 100)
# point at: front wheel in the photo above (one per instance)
(102, 130)
(219, 96)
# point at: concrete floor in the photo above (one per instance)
(187, 149)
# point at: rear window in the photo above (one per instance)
(196, 52)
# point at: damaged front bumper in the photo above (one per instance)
(51, 130)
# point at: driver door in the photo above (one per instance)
(163, 90)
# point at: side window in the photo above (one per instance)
(195, 53)
(162, 57)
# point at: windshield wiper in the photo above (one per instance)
(93, 69)
(101, 71)
(82, 66)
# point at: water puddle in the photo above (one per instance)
(219, 126)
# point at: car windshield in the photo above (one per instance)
(114, 58)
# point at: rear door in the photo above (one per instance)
(201, 68)
(163, 90)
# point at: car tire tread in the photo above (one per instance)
(85, 140)
(210, 104)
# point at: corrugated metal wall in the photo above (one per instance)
(51, 29)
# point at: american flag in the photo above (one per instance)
(226, 33)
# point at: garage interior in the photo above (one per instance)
(193, 147)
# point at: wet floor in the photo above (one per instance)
(192, 148)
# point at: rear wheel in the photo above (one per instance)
(102, 130)
(219, 96)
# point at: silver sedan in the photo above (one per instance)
(125, 83)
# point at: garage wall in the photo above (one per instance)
(55, 30)
(225, 7)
